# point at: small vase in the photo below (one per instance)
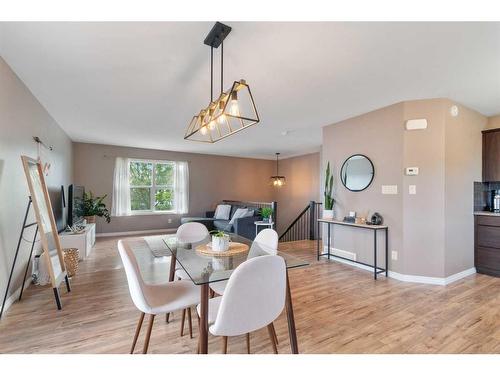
(90, 219)
(328, 214)
(220, 243)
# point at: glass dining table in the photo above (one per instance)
(203, 267)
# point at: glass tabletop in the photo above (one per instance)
(203, 268)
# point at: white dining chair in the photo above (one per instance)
(265, 241)
(189, 233)
(154, 299)
(253, 299)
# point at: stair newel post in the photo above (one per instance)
(274, 206)
(312, 219)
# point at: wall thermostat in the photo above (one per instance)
(411, 171)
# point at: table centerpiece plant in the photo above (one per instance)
(220, 240)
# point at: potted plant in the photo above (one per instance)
(329, 201)
(266, 213)
(220, 240)
(93, 206)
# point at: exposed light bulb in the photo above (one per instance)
(235, 111)
(211, 125)
(222, 119)
(203, 130)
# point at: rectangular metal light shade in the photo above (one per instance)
(232, 112)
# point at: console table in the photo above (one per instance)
(374, 228)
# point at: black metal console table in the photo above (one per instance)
(374, 228)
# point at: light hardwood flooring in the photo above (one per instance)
(338, 309)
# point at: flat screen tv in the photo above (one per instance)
(58, 203)
(75, 201)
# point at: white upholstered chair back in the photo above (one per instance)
(254, 296)
(267, 241)
(191, 232)
(136, 284)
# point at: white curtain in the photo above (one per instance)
(181, 196)
(121, 188)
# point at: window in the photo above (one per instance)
(152, 185)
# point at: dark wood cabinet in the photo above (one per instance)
(491, 155)
(487, 244)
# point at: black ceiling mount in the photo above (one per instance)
(217, 35)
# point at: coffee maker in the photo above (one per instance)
(495, 201)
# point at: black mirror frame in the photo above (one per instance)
(371, 180)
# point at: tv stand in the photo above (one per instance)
(84, 241)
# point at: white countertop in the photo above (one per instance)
(486, 213)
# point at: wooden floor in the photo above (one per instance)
(338, 309)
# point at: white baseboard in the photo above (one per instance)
(14, 296)
(410, 278)
(136, 232)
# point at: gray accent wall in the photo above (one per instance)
(431, 231)
(21, 118)
(212, 179)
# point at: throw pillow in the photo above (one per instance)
(222, 212)
(240, 212)
(249, 213)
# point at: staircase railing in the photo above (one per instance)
(305, 225)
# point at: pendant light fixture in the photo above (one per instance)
(233, 111)
(278, 181)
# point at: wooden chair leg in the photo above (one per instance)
(271, 336)
(137, 331)
(148, 334)
(248, 342)
(274, 334)
(199, 336)
(224, 344)
(182, 321)
(190, 323)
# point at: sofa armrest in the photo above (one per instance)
(209, 214)
(245, 227)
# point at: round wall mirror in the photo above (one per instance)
(357, 172)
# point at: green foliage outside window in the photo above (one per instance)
(151, 186)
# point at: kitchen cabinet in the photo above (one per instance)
(491, 155)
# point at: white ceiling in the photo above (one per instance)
(139, 84)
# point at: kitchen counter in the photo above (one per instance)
(486, 213)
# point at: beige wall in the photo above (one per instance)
(379, 136)
(302, 186)
(21, 118)
(463, 156)
(432, 231)
(493, 122)
(212, 179)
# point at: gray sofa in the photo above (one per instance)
(244, 226)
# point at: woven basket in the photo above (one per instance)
(71, 258)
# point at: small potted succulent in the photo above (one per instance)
(220, 240)
(266, 213)
(93, 206)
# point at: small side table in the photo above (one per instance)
(269, 224)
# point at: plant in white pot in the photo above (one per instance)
(329, 201)
(266, 213)
(220, 240)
